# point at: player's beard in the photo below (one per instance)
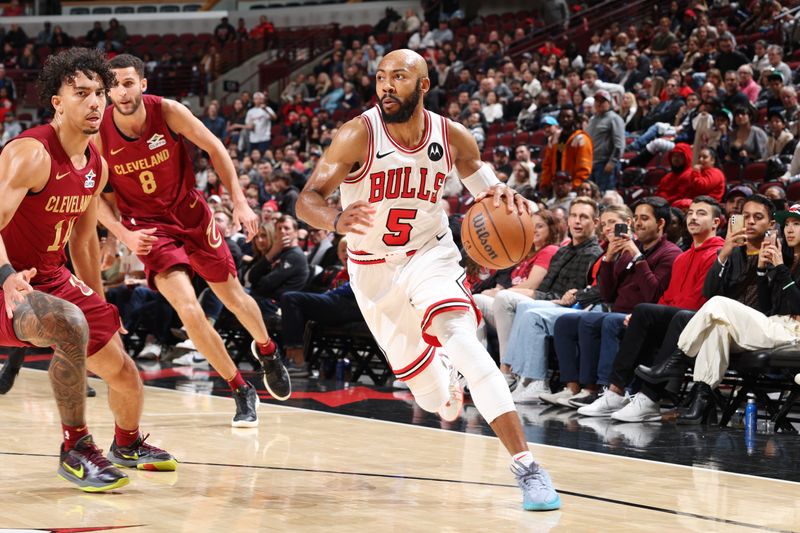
(137, 102)
(405, 109)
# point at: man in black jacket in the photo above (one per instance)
(287, 272)
(667, 110)
(728, 58)
(285, 193)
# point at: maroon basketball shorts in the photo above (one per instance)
(103, 318)
(186, 237)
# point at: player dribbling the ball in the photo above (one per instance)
(403, 264)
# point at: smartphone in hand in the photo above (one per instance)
(736, 224)
(620, 230)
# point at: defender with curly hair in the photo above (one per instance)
(50, 177)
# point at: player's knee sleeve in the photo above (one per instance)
(430, 388)
(487, 386)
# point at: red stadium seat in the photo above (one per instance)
(653, 176)
(756, 172)
(793, 192)
(508, 126)
(732, 171)
(538, 138)
(767, 184)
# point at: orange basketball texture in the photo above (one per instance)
(495, 238)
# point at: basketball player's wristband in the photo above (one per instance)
(336, 220)
(6, 271)
(480, 180)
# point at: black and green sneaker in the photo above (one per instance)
(85, 466)
(142, 456)
(276, 377)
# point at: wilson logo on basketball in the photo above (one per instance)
(495, 237)
(479, 223)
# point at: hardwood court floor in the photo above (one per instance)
(313, 471)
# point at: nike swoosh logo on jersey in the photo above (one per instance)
(118, 150)
(194, 203)
(380, 156)
(59, 176)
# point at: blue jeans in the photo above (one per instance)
(298, 307)
(640, 143)
(586, 344)
(144, 306)
(606, 182)
(526, 352)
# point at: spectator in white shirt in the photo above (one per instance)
(422, 39)
(258, 122)
(492, 109)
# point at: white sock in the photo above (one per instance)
(526, 458)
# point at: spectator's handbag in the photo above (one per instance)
(589, 298)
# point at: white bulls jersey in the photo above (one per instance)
(403, 184)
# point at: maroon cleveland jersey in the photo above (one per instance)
(150, 175)
(43, 222)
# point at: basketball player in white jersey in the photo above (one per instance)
(403, 264)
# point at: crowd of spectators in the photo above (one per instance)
(689, 96)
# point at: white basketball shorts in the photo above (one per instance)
(399, 295)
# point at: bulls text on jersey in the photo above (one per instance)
(400, 183)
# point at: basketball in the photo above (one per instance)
(495, 238)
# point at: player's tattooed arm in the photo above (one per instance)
(45, 320)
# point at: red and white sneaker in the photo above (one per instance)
(451, 410)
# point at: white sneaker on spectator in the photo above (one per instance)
(186, 345)
(512, 381)
(553, 397)
(583, 394)
(192, 358)
(150, 351)
(605, 405)
(530, 393)
(640, 409)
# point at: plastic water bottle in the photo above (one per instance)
(340, 370)
(751, 414)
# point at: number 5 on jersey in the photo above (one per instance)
(399, 226)
(148, 181)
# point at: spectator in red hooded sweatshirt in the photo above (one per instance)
(686, 182)
(707, 179)
(677, 184)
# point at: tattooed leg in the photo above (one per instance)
(44, 320)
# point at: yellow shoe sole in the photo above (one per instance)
(121, 482)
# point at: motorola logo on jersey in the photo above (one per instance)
(405, 182)
(435, 151)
